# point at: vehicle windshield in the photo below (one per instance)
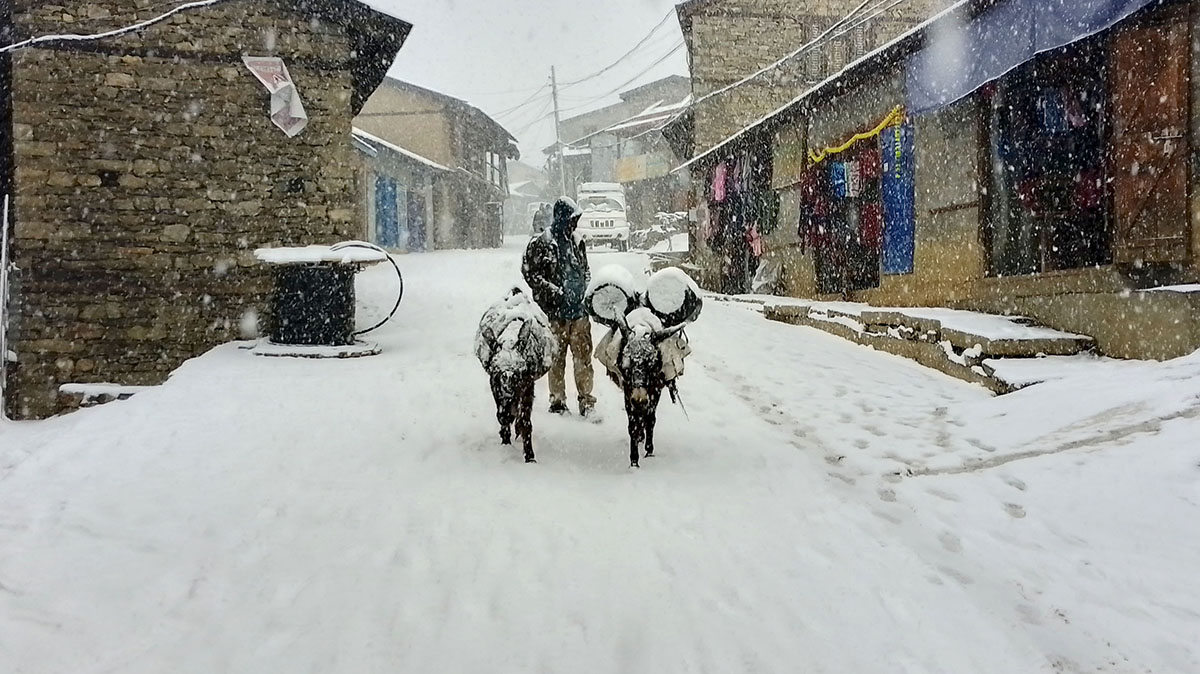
(599, 203)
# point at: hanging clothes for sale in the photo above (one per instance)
(871, 225)
(716, 226)
(720, 174)
(898, 196)
(853, 180)
(837, 178)
(754, 239)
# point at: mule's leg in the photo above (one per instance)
(635, 436)
(504, 416)
(525, 421)
(651, 420)
(505, 419)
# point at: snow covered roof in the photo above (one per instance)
(657, 114)
(461, 112)
(895, 47)
(371, 139)
(519, 189)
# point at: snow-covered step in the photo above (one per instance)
(76, 395)
(963, 344)
(996, 336)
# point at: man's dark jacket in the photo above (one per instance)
(545, 268)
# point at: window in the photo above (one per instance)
(600, 203)
(494, 170)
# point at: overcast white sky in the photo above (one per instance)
(494, 53)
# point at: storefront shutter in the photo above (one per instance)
(1150, 140)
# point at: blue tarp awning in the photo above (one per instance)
(961, 57)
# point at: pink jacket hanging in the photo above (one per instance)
(720, 173)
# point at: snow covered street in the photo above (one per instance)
(826, 508)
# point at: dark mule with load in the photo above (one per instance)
(516, 347)
(645, 347)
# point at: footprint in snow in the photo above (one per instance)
(956, 575)
(887, 495)
(1028, 614)
(1015, 483)
(950, 542)
(1014, 510)
(844, 478)
(889, 518)
(944, 495)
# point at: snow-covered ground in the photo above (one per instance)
(676, 243)
(826, 508)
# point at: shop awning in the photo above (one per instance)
(961, 57)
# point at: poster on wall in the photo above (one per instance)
(287, 110)
(899, 199)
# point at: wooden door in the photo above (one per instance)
(387, 226)
(1150, 147)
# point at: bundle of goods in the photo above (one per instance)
(668, 301)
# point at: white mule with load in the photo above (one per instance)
(645, 347)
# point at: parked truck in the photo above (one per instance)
(605, 219)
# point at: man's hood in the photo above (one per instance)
(565, 210)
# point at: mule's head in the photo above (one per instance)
(641, 363)
(510, 364)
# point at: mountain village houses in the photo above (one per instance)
(435, 170)
(623, 143)
(1002, 157)
(144, 170)
(1024, 173)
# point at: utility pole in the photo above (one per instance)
(562, 165)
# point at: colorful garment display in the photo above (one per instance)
(720, 174)
(898, 198)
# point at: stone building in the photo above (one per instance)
(728, 40)
(591, 153)
(466, 205)
(398, 194)
(145, 169)
(1050, 175)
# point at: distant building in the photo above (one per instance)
(527, 189)
(727, 40)
(459, 149)
(145, 169)
(398, 193)
(591, 156)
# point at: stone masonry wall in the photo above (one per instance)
(735, 38)
(145, 180)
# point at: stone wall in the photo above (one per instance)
(147, 172)
(735, 38)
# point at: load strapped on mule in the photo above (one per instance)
(669, 301)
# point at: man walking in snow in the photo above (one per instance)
(556, 268)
